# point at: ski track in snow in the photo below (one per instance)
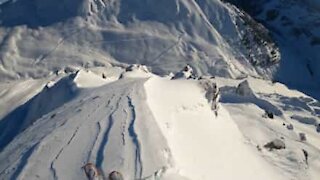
(23, 162)
(110, 119)
(104, 143)
(133, 134)
(52, 168)
(98, 131)
(131, 114)
(98, 128)
(124, 125)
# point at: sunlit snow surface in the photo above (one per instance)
(70, 95)
(151, 127)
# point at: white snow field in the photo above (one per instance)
(99, 81)
(150, 127)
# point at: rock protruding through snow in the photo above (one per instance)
(244, 89)
(212, 92)
(275, 144)
(136, 71)
(186, 73)
(137, 67)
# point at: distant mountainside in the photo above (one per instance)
(39, 37)
(295, 25)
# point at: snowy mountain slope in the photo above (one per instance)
(295, 27)
(87, 120)
(148, 127)
(46, 36)
(12, 95)
(73, 90)
(296, 110)
(189, 125)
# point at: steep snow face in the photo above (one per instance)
(46, 36)
(12, 95)
(295, 26)
(110, 126)
(201, 144)
(245, 35)
(294, 114)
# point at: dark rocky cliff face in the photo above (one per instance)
(295, 27)
(252, 7)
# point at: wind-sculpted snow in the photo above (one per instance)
(73, 91)
(21, 118)
(99, 127)
(150, 127)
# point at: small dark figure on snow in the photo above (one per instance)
(259, 148)
(104, 76)
(302, 137)
(305, 153)
(275, 144)
(269, 114)
(290, 127)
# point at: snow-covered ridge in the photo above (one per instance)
(151, 127)
(205, 104)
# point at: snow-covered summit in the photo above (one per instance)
(151, 127)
